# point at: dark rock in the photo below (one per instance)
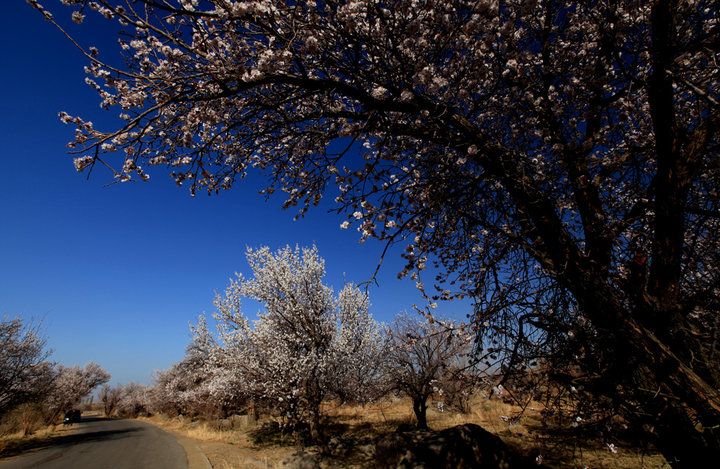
(336, 446)
(301, 460)
(464, 446)
(366, 451)
(242, 422)
(391, 448)
(405, 428)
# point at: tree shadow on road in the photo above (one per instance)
(11, 448)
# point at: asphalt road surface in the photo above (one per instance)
(106, 443)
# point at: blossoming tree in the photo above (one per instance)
(184, 388)
(541, 151)
(70, 386)
(25, 373)
(305, 346)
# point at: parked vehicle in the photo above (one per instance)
(72, 416)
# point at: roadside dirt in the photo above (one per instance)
(227, 456)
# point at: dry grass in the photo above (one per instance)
(198, 430)
(523, 432)
(225, 448)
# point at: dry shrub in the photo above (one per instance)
(25, 420)
(220, 425)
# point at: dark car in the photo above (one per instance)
(72, 416)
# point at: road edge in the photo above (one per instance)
(195, 457)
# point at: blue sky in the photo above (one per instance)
(116, 273)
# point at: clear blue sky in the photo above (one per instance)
(116, 273)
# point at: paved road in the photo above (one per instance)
(100, 443)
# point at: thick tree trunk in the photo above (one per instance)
(684, 413)
(420, 409)
(316, 433)
(681, 441)
(671, 399)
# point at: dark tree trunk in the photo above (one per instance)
(420, 409)
(316, 433)
(686, 423)
(679, 440)
(667, 393)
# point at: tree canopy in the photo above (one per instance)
(558, 160)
